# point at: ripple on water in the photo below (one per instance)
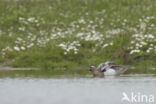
(73, 91)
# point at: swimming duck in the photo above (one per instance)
(107, 69)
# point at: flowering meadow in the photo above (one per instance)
(73, 34)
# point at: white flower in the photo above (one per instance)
(16, 48)
(111, 43)
(21, 19)
(143, 43)
(114, 31)
(140, 20)
(143, 25)
(150, 48)
(105, 45)
(23, 48)
(65, 53)
(82, 21)
(132, 42)
(140, 45)
(151, 45)
(70, 46)
(21, 28)
(31, 19)
(151, 36)
(135, 51)
(152, 25)
(137, 45)
(62, 45)
(147, 51)
(30, 45)
(75, 52)
(6, 49)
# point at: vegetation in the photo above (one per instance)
(73, 34)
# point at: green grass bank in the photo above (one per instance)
(71, 35)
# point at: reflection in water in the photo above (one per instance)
(107, 90)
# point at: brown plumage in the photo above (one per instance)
(95, 72)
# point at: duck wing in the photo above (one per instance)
(103, 66)
(111, 63)
(120, 70)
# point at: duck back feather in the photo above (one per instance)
(103, 66)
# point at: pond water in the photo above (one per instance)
(108, 90)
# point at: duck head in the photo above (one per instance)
(92, 68)
(95, 72)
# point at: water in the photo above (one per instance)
(74, 90)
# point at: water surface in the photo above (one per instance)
(74, 90)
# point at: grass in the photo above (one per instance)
(32, 30)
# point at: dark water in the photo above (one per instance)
(107, 90)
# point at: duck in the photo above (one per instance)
(107, 69)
